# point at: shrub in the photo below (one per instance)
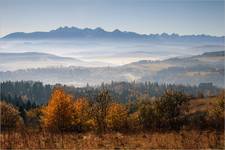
(198, 120)
(34, 118)
(216, 115)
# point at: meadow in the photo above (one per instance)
(185, 139)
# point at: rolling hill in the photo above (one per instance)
(15, 61)
(208, 67)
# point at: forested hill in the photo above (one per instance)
(21, 92)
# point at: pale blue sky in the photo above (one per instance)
(142, 16)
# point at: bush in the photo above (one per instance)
(10, 118)
(34, 118)
(197, 120)
(216, 115)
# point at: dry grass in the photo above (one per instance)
(182, 140)
(201, 105)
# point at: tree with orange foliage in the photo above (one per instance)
(82, 120)
(58, 115)
(116, 118)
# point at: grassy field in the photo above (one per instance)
(175, 140)
(201, 105)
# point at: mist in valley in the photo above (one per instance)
(98, 53)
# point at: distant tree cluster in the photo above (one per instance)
(21, 92)
(125, 91)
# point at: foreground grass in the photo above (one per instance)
(175, 140)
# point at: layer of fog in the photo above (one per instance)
(108, 52)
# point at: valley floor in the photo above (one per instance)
(143, 140)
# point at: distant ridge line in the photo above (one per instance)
(74, 32)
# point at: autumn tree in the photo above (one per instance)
(170, 108)
(166, 112)
(82, 111)
(149, 117)
(133, 121)
(116, 118)
(58, 115)
(10, 118)
(100, 108)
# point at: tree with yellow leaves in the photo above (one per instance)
(133, 121)
(82, 119)
(58, 115)
(116, 118)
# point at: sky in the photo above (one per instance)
(184, 17)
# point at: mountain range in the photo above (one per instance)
(99, 33)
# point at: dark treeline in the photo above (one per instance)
(22, 93)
